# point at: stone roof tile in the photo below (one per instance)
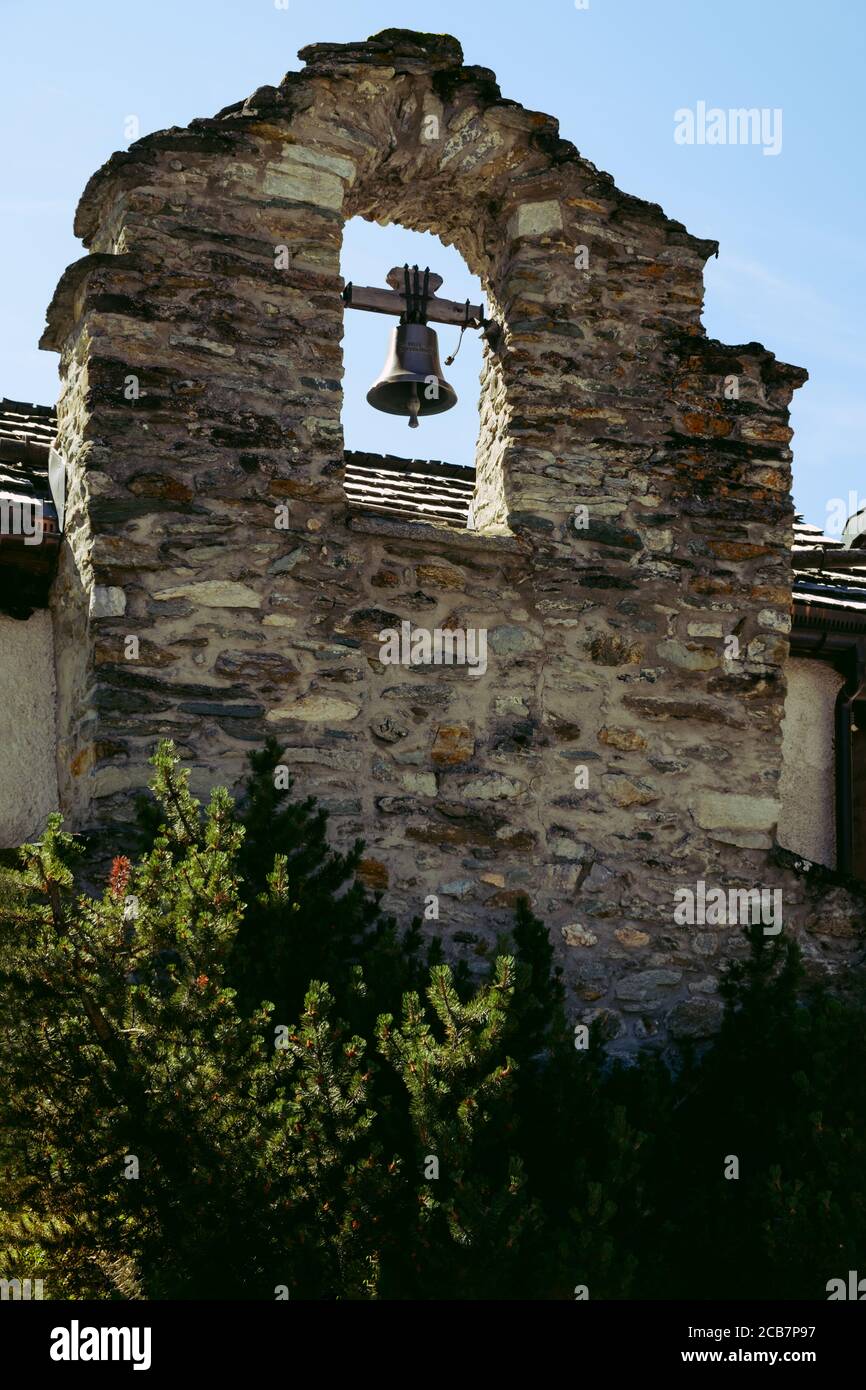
(407, 489)
(26, 568)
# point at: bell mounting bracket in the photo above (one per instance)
(412, 298)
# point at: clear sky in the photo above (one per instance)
(791, 268)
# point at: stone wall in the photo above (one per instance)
(620, 742)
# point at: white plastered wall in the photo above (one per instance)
(28, 775)
(807, 821)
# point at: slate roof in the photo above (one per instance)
(824, 592)
(411, 489)
(23, 424)
(26, 570)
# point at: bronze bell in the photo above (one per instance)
(411, 381)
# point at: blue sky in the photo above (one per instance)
(790, 271)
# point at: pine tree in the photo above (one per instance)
(306, 915)
(783, 1091)
(151, 1117)
(474, 1213)
(227, 1075)
(344, 1194)
(582, 1153)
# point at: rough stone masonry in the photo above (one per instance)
(619, 743)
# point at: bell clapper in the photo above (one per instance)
(413, 405)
